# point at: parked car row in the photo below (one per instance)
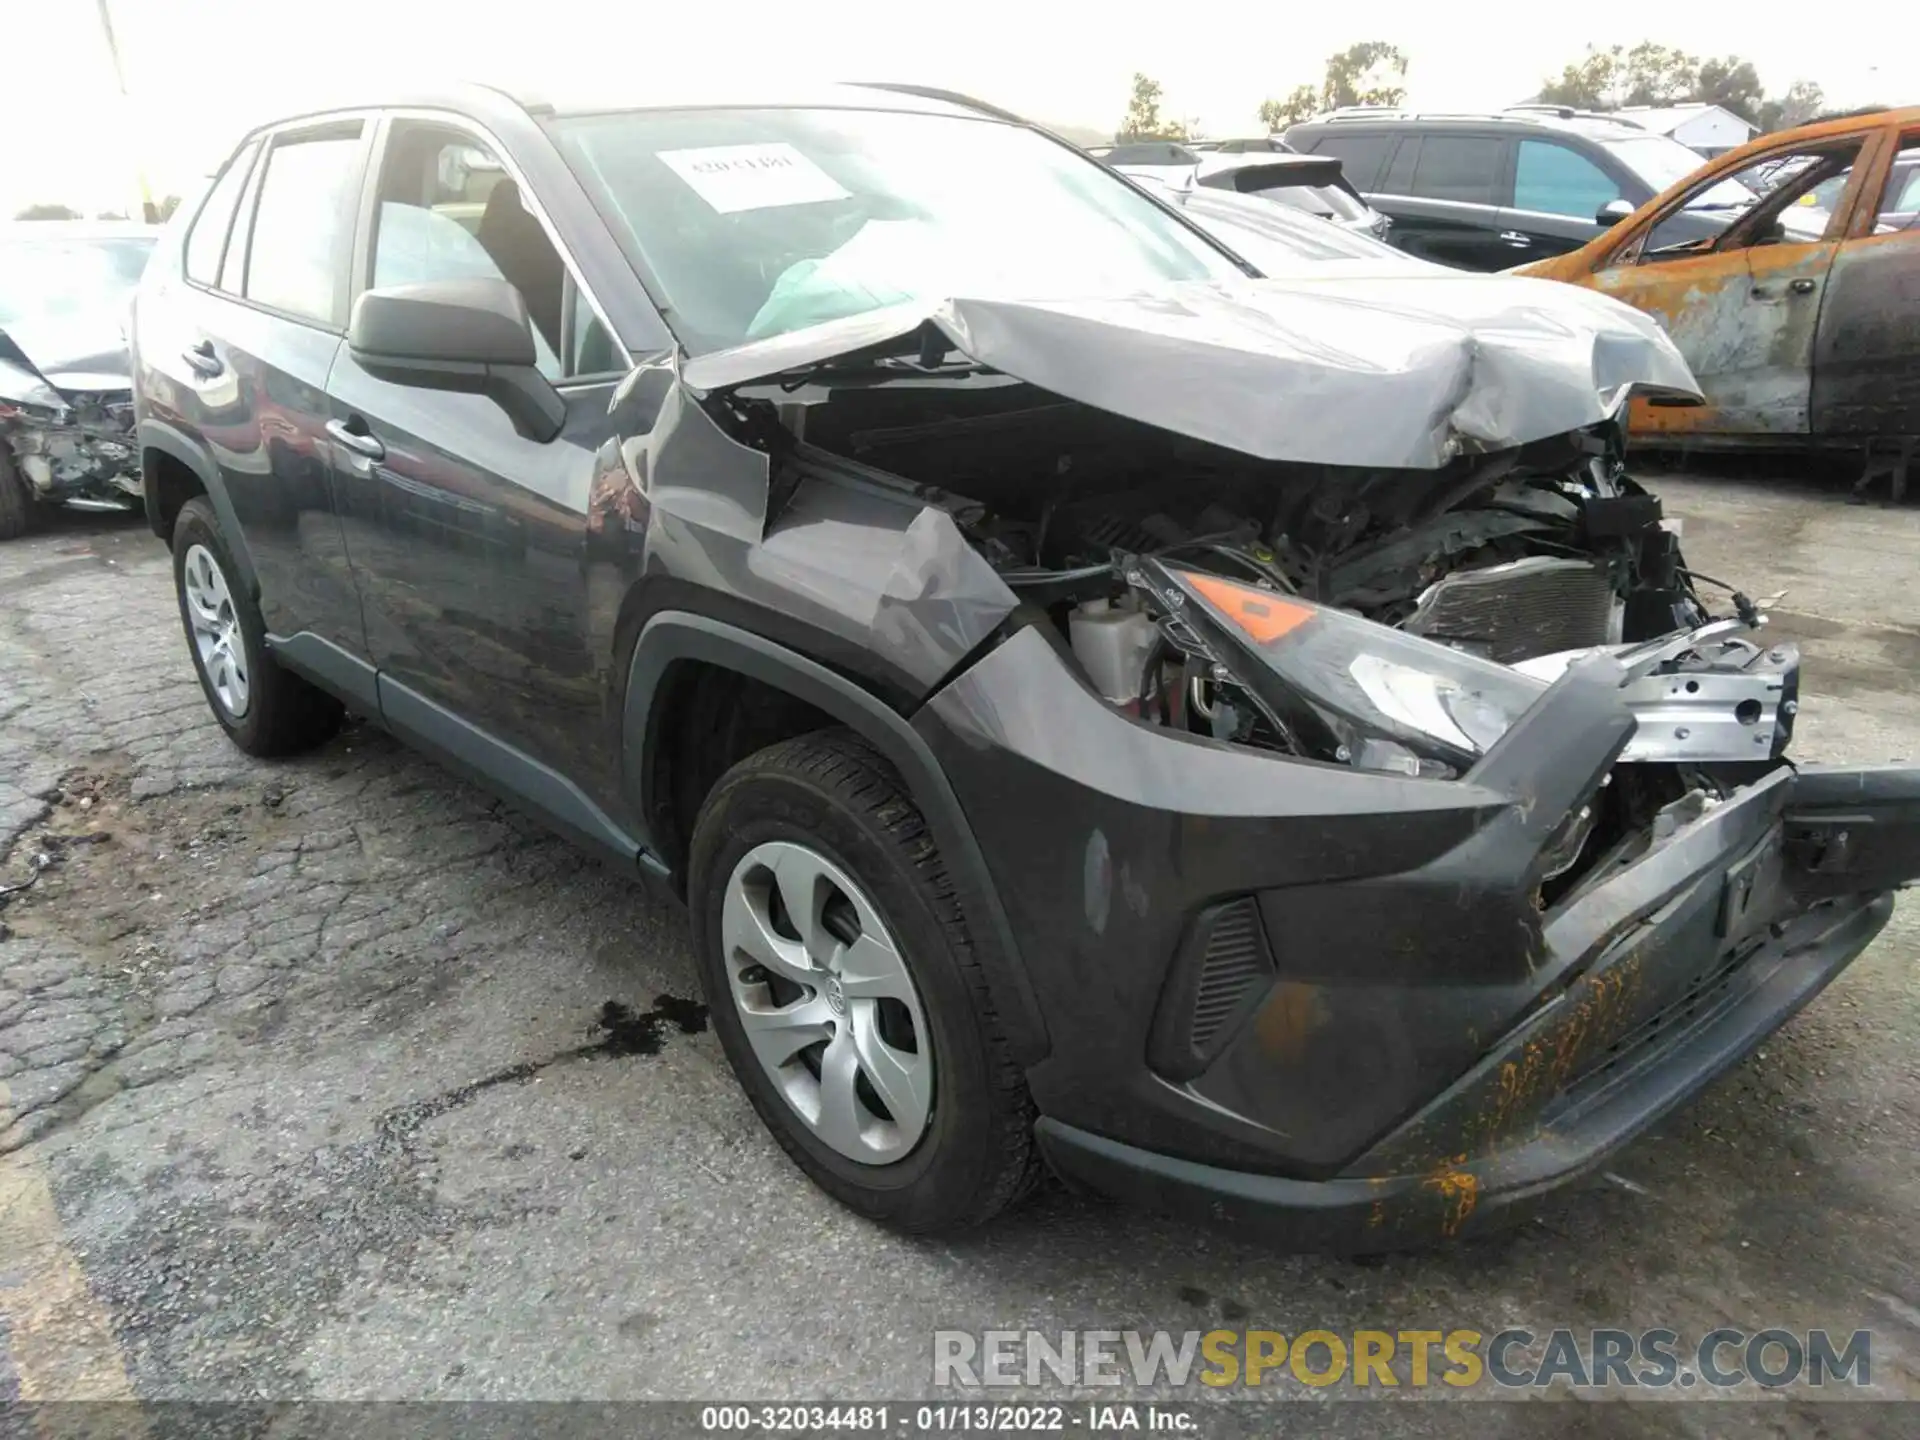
(1127, 677)
(1787, 271)
(1314, 184)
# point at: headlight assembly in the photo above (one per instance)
(1348, 689)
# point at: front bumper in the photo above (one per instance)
(1411, 1045)
(1645, 1074)
(85, 450)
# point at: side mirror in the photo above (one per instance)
(1612, 213)
(466, 335)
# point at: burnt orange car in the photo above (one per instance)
(1799, 311)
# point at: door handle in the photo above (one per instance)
(202, 361)
(1802, 286)
(357, 441)
(1515, 238)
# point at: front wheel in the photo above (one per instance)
(264, 709)
(844, 989)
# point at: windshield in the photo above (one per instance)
(752, 223)
(55, 278)
(1661, 161)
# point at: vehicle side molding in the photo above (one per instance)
(672, 636)
(511, 772)
(332, 667)
(172, 441)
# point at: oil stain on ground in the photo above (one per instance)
(623, 1031)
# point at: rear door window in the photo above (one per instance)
(303, 227)
(207, 240)
(1553, 179)
(1360, 156)
(1399, 176)
(1900, 205)
(1465, 168)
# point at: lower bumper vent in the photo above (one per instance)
(1222, 971)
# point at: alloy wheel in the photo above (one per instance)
(827, 1002)
(216, 630)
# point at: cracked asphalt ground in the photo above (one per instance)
(337, 1078)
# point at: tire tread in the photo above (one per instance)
(289, 714)
(841, 764)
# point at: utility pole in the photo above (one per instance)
(148, 210)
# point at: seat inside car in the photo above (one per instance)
(526, 257)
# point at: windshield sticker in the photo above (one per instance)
(731, 178)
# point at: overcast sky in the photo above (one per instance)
(199, 70)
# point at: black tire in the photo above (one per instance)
(284, 713)
(17, 504)
(832, 793)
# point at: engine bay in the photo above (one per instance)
(1397, 621)
(1508, 557)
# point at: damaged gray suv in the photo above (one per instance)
(1235, 735)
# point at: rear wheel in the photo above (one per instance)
(264, 709)
(16, 501)
(843, 986)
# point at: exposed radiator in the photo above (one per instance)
(1519, 610)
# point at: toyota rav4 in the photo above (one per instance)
(1237, 735)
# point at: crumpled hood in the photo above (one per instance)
(1400, 371)
(75, 353)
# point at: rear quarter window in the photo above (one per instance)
(208, 238)
(1360, 156)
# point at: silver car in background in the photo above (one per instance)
(66, 387)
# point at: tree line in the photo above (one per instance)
(45, 211)
(1373, 72)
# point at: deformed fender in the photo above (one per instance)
(675, 635)
(158, 435)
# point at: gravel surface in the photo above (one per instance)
(337, 1078)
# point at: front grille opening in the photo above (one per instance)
(1625, 807)
(1701, 997)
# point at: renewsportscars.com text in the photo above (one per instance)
(1461, 1359)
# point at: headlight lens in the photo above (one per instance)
(1379, 698)
(1441, 706)
(26, 393)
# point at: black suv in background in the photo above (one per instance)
(1086, 726)
(1489, 192)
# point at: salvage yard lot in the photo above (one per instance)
(338, 1078)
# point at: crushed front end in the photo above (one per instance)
(1388, 824)
(67, 432)
(77, 450)
(1372, 1008)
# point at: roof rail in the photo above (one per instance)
(951, 97)
(1570, 112)
(1370, 112)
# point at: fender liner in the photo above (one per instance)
(170, 440)
(671, 636)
